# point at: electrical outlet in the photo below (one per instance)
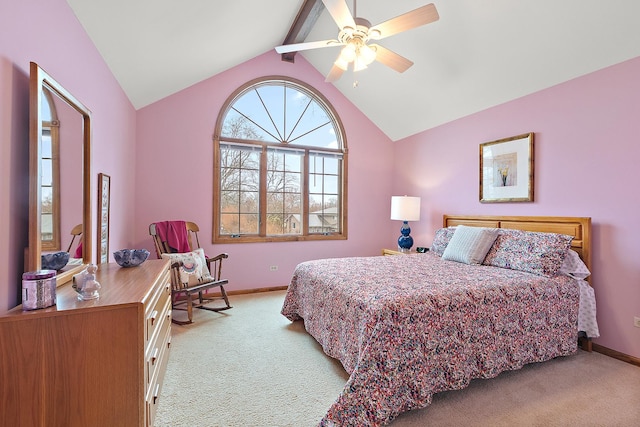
(636, 322)
(273, 268)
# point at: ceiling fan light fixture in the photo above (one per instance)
(359, 65)
(366, 54)
(348, 53)
(341, 63)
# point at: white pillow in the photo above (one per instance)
(573, 266)
(470, 245)
(193, 270)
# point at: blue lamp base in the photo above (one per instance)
(405, 241)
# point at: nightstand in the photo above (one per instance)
(394, 252)
(397, 252)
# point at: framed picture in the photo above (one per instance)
(506, 170)
(104, 184)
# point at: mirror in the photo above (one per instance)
(59, 163)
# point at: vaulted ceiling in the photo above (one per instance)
(480, 53)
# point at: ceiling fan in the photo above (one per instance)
(355, 34)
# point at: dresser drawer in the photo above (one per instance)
(157, 349)
(155, 369)
(154, 313)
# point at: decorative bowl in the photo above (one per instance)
(130, 257)
(55, 260)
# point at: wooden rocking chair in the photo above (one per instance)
(192, 293)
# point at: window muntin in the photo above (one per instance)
(280, 166)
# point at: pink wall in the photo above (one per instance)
(48, 33)
(586, 164)
(175, 174)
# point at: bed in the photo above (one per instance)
(407, 326)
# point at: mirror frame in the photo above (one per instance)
(38, 81)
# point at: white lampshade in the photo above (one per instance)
(367, 54)
(405, 208)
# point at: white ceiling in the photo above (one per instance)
(479, 54)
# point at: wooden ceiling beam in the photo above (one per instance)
(302, 25)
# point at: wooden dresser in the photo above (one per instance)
(89, 363)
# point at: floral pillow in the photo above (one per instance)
(533, 252)
(441, 240)
(194, 268)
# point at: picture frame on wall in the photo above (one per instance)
(104, 188)
(506, 169)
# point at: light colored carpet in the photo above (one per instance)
(250, 366)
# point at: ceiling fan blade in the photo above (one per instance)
(334, 74)
(417, 17)
(295, 47)
(340, 13)
(391, 59)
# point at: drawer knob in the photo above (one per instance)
(154, 356)
(154, 315)
(156, 393)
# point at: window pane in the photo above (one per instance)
(292, 224)
(229, 223)
(275, 203)
(331, 184)
(47, 227)
(276, 160)
(272, 96)
(315, 202)
(249, 202)
(249, 179)
(275, 224)
(255, 119)
(47, 172)
(330, 202)
(229, 201)
(297, 102)
(293, 182)
(293, 162)
(46, 143)
(293, 203)
(331, 165)
(315, 183)
(47, 200)
(249, 224)
(275, 181)
(316, 164)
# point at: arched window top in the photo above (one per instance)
(280, 110)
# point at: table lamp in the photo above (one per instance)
(405, 209)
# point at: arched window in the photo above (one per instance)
(280, 162)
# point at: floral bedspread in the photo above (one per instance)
(406, 327)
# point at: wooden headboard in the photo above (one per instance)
(578, 227)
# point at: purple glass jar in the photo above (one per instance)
(38, 289)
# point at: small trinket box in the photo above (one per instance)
(38, 289)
